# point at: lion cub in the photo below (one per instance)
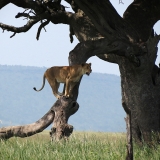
(69, 75)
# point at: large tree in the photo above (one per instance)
(128, 41)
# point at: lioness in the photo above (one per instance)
(69, 75)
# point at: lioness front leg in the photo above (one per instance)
(67, 88)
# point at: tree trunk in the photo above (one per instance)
(141, 92)
(63, 111)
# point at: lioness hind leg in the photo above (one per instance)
(55, 85)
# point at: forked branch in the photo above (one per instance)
(25, 28)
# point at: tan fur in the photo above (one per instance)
(69, 75)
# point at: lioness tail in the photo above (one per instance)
(42, 85)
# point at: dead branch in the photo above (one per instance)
(59, 112)
(40, 28)
(25, 15)
(13, 35)
(59, 17)
(28, 130)
(25, 28)
(38, 9)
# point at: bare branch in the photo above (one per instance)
(59, 17)
(25, 15)
(28, 130)
(40, 28)
(59, 112)
(25, 28)
(13, 35)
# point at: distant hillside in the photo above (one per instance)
(99, 99)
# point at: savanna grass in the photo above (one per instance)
(81, 146)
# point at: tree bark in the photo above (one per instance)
(63, 110)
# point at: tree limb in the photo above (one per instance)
(28, 130)
(147, 13)
(59, 17)
(106, 19)
(120, 47)
(40, 28)
(59, 112)
(25, 28)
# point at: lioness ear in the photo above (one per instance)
(83, 64)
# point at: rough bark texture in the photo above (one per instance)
(63, 109)
(128, 41)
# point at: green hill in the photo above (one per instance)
(99, 99)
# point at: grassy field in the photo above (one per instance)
(81, 146)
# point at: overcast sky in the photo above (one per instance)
(53, 46)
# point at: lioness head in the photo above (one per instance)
(87, 68)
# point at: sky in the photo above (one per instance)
(53, 46)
